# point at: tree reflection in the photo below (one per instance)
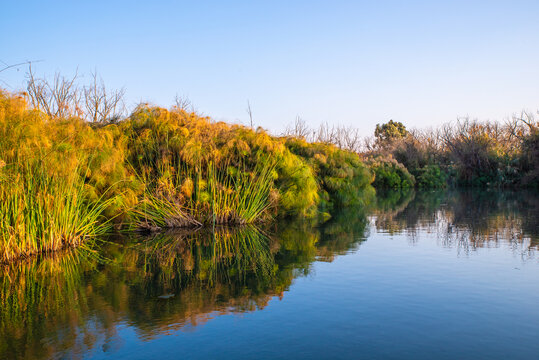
(466, 219)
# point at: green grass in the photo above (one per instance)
(239, 197)
(222, 196)
(41, 213)
(156, 212)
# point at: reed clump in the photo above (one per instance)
(64, 180)
(344, 180)
(39, 214)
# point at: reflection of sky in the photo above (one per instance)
(408, 291)
(391, 298)
(353, 62)
(387, 300)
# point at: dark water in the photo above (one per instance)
(419, 276)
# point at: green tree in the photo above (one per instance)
(390, 131)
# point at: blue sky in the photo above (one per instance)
(343, 62)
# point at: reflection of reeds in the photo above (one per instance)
(390, 203)
(156, 283)
(210, 256)
(201, 273)
(39, 294)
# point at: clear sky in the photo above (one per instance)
(344, 62)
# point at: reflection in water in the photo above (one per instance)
(44, 302)
(66, 304)
(466, 220)
(72, 304)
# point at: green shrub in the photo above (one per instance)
(431, 177)
(390, 174)
(530, 159)
(343, 178)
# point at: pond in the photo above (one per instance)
(427, 275)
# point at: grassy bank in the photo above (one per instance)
(64, 180)
(67, 177)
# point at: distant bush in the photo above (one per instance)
(465, 153)
(343, 178)
(390, 174)
(431, 177)
(530, 158)
(389, 132)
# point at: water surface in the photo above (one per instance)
(445, 275)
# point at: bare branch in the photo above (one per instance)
(300, 129)
(57, 99)
(250, 113)
(183, 103)
(102, 105)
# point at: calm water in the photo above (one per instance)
(419, 276)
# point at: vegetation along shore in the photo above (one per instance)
(72, 167)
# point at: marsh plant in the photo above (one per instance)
(40, 213)
(64, 180)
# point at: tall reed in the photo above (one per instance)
(237, 196)
(42, 213)
(220, 195)
(156, 212)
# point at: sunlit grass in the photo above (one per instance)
(40, 213)
(156, 212)
(63, 180)
(239, 197)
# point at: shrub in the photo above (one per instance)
(390, 131)
(343, 178)
(431, 177)
(530, 159)
(390, 174)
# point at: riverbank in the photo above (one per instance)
(65, 181)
